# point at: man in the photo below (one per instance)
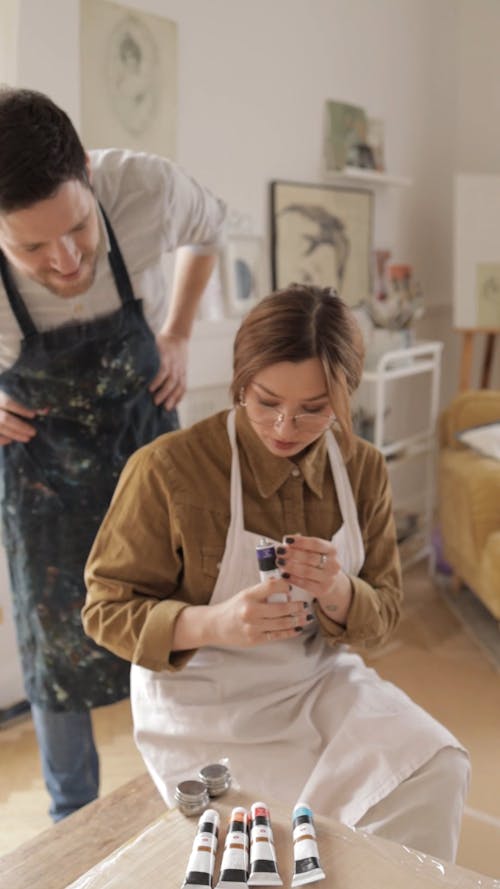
(91, 368)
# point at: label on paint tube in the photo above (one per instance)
(266, 560)
(263, 865)
(307, 868)
(200, 869)
(234, 865)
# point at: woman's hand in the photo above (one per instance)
(243, 621)
(312, 564)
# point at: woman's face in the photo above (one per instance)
(287, 405)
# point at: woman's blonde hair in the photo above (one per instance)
(295, 324)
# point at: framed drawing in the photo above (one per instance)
(346, 131)
(244, 272)
(322, 235)
(128, 78)
(476, 249)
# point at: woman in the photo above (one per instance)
(221, 671)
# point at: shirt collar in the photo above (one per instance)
(271, 472)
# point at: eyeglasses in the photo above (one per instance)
(268, 415)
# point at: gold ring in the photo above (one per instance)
(322, 562)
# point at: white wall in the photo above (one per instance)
(253, 79)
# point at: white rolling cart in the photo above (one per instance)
(411, 452)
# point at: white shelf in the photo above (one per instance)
(405, 364)
(370, 178)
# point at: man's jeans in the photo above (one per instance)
(70, 763)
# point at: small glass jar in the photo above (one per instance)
(192, 797)
(216, 777)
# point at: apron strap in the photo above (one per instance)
(117, 263)
(347, 503)
(20, 311)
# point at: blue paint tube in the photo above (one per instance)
(266, 560)
(307, 868)
(263, 865)
(234, 865)
(200, 869)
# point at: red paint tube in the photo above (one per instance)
(263, 864)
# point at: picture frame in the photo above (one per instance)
(128, 78)
(243, 272)
(322, 235)
(476, 252)
(346, 131)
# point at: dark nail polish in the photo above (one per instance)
(280, 561)
(281, 550)
(289, 539)
(315, 601)
(298, 629)
(305, 604)
(285, 575)
(310, 617)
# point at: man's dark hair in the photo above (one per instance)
(39, 149)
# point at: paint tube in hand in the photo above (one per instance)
(263, 865)
(234, 865)
(200, 869)
(307, 868)
(266, 559)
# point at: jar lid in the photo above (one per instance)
(216, 777)
(192, 797)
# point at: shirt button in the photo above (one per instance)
(295, 472)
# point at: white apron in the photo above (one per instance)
(297, 719)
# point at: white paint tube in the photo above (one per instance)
(266, 559)
(263, 865)
(234, 865)
(307, 868)
(200, 869)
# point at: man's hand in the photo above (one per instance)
(12, 428)
(169, 384)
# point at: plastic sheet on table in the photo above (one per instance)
(158, 856)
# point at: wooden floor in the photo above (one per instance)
(431, 657)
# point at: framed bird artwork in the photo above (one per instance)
(323, 235)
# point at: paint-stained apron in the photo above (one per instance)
(94, 379)
(297, 719)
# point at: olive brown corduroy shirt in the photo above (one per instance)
(162, 540)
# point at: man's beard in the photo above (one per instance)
(80, 285)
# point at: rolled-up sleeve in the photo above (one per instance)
(195, 217)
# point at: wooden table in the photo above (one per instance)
(60, 854)
(162, 842)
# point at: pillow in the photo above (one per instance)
(483, 439)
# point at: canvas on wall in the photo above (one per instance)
(476, 247)
(322, 235)
(244, 272)
(128, 78)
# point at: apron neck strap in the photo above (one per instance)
(20, 311)
(117, 264)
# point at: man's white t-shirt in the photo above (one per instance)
(154, 207)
